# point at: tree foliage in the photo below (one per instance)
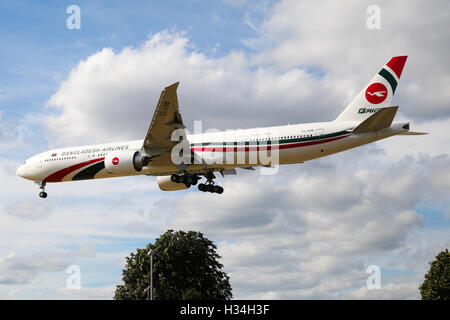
(185, 266)
(436, 285)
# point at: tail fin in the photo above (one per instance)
(378, 93)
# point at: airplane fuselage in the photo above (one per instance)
(179, 160)
(224, 150)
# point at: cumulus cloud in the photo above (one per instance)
(22, 269)
(333, 37)
(88, 293)
(29, 209)
(311, 230)
(8, 135)
(86, 251)
(113, 95)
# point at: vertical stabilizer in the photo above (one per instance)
(378, 93)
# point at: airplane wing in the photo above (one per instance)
(166, 119)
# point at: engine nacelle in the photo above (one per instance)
(166, 184)
(124, 162)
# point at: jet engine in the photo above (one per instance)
(166, 184)
(125, 162)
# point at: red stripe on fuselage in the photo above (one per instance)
(59, 175)
(266, 147)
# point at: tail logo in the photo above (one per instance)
(376, 93)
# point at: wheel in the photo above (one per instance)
(174, 178)
(209, 188)
(220, 191)
(189, 179)
(181, 179)
(216, 189)
(43, 194)
(202, 187)
(195, 179)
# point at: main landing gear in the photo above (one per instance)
(192, 179)
(188, 179)
(209, 186)
(42, 194)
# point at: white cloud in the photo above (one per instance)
(20, 269)
(88, 293)
(333, 36)
(29, 209)
(308, 238)
(399, 290)
(234, 3)
(9, 138)
(308, 232)
(112, 95)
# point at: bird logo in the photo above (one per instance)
(376, 93)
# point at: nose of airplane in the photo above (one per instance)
(21, 171)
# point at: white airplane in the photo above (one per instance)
(366, 119)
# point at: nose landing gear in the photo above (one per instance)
(42, 194)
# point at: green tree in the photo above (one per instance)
(436, 285)
(185, 266)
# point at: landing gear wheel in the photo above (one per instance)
(42, 194)
(209, 186)
(186, 178)
(189, 179)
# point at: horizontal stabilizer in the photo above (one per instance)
(228, 172)
(248, 168)
(413, 133)
(379, 120)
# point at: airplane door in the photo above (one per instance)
(319, 132)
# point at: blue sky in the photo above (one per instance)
(41, 51)
(242, 64)
(38, 39)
